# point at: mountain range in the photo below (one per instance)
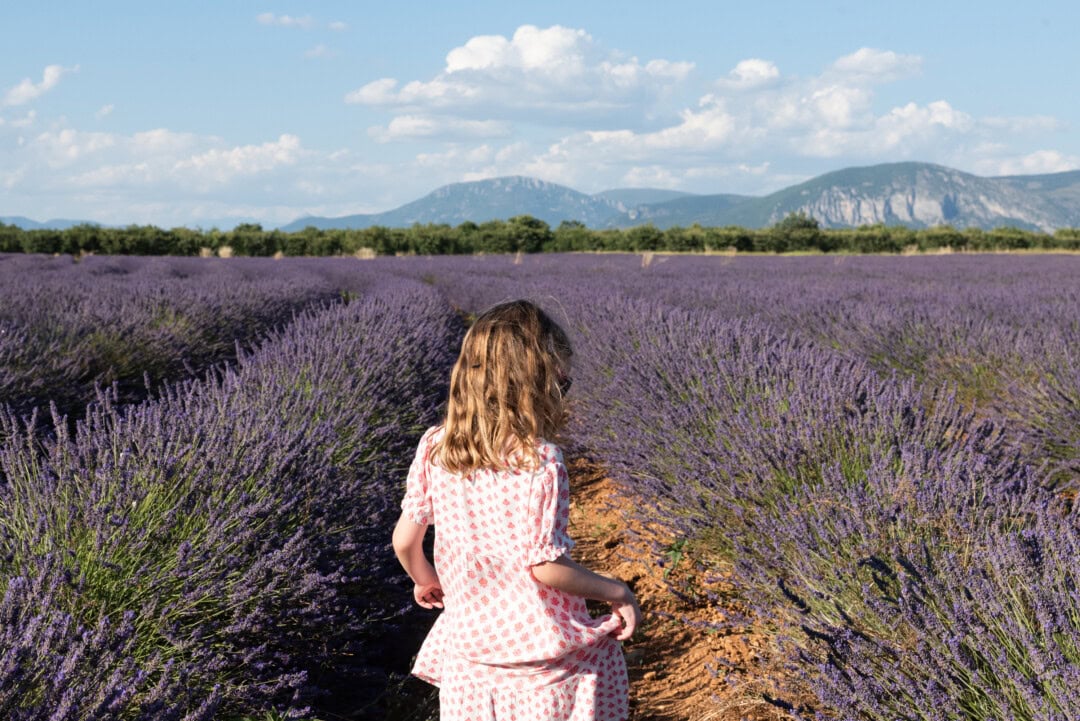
(917, 195)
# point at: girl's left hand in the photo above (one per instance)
(428, 595)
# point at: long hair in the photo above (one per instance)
(505, 390)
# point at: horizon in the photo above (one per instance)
(204, 115)
(482, 180)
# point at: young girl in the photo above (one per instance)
(514, 640)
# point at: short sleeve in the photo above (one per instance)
(416, 506)
(549, 513)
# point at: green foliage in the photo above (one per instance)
(797, 232)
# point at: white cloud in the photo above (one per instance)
(555, 50)
(172, 178)
(459, 156)
(552, 75)
(413, 127)
(872, 65)
(220, 166)
(756, 123)
(27, 90)
(104, 111)
(545, 102)
(284, 21)
(652, 176)
(24, 122)
(65, 147)
(751, 73)
(1022, 124)
(162, 141)
(338, 26)
(1036, 163)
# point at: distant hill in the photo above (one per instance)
(479, 201)
(55, 224)
(917, 195)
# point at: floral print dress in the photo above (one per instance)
(507, 646)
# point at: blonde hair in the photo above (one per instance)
(505, 390)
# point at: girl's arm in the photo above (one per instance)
(409, 547)
(573, 578)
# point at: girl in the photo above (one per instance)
(514, 640)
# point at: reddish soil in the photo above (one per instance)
(674, 658)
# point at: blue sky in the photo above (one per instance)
(213, 113)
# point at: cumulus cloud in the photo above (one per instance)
(750, 73)
(545, 102)
(64, 147)
(1036, 163)
(561, 77)
(554, 73)
(28, 90)
(158, 157)
(168, 177)
(414, 127)
(829, 115)
(869, 64)
(284, 21)
(758, 125)
(221, 165)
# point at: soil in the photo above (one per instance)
(689, 661)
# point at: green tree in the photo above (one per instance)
(797, 231)
(645, 237)
(572, 235)
(529, 234)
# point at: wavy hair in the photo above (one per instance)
(505, 390)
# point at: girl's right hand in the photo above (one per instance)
(628, 610)
(428, 595)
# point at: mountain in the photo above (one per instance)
(479, 201)
(917, 195)
(55, 224)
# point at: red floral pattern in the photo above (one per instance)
(507, 646)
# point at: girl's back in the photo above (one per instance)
(492, 527)
(515, 640)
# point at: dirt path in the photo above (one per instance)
(673, 660)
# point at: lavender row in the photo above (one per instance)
(914, 563)
(221, 549)
(1000, 330)
(68, 326)
(902, 539)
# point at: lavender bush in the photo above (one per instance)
(989, 631)
(235, 528)
(92, 672)
(67, 326)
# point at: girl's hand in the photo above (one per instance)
(429, 595)
(628, 610)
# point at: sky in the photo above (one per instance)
(208, 114)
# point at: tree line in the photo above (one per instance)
(524, 233)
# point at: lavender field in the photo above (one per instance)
(200, 461)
